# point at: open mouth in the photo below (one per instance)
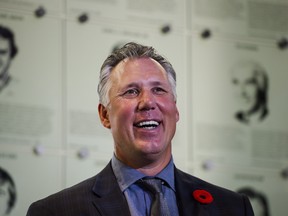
(148, 124)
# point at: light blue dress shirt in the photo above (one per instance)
(139, 200)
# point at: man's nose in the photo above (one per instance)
(243, 88)
(146, 101)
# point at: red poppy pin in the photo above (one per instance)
(203, 196)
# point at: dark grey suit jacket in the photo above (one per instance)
(101, 195)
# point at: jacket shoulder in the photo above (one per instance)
(64, 199)
(78, 197)
(198, 183)
(225, 201)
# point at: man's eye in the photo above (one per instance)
(159, 90)
(251, 81)
(235, 81)
(131, 93)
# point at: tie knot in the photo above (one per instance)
(152, 184)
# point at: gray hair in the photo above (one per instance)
(131, 50)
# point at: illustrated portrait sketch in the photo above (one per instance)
(7, 193)
(8, 51)
(250, 84)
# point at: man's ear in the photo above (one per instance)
(177, 113)
(104, 116)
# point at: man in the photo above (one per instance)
(7, 193)
(8, 50)
(251, 84)
(137, 91)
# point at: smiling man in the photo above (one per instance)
(141, 114)
(137, 92)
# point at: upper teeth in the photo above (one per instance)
(146, 123)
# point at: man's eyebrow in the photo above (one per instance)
(158, 83)
(133, 84)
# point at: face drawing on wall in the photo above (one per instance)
(8, 51)
(250, 82)
(7, 193)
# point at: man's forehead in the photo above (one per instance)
(244, 72)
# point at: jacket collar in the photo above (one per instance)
(111, 201)
(109, 198)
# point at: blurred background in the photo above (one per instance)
(230, 57)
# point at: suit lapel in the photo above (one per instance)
(109, 198)
(187, 205)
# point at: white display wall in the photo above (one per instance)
(50, 134)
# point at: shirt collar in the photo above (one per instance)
(126, 175)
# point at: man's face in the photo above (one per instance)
(4, 55)
(4, 197)
(246, 88)
(142, 113)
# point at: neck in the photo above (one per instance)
(153, 169)
(148, 165)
